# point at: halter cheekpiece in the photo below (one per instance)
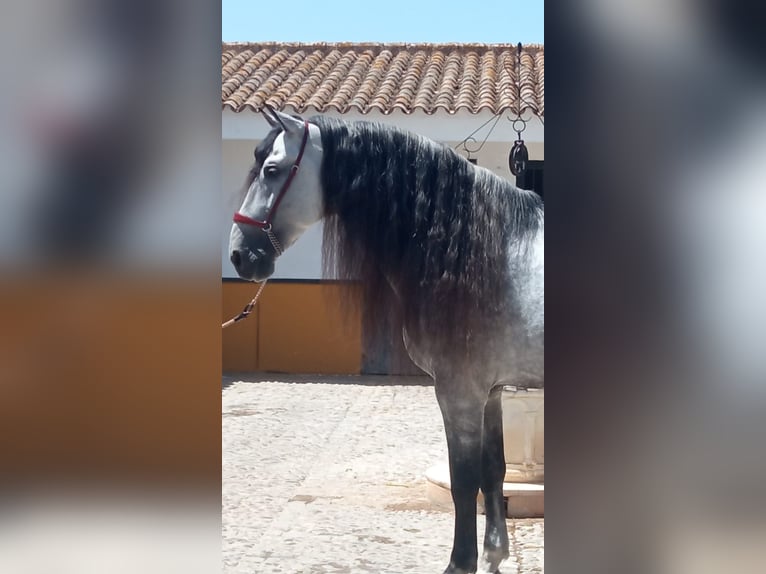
(265, 224)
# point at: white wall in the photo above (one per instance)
(241, 133)
(440, 126)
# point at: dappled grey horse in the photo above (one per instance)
(460, 249)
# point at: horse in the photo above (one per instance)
(450, 248)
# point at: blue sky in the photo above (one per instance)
(487, 21)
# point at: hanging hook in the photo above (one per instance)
(516, 122)
(519, 156)
(469, 142)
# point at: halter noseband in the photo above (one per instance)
(265, 225)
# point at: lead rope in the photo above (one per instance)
(246, 311)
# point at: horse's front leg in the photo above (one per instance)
(492, 475)
(463, 415)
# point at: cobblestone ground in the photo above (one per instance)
(326, 475)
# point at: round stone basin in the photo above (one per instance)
(524, 434)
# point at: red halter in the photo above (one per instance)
(265, 224)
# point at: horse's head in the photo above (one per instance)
(283, 195)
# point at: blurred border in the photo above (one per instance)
(655, 315)
(110, 340)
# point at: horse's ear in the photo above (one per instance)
(271, 116)
(291, 124)
(267, 113)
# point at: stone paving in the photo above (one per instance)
(326, 475)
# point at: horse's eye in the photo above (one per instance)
(270, 171)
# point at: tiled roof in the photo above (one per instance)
(385, 77)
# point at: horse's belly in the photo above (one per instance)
(511, 357)
(525, 366)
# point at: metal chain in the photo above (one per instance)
(274, 241)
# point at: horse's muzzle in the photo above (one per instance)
(250, 265)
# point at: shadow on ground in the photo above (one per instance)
(229, 379)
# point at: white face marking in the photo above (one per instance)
(301, 204)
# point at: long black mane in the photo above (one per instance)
(407, 212)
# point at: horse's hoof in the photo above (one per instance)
(452, 569)
(492, 559)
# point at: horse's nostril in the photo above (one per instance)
(236, 259)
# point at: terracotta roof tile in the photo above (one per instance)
(384, 77)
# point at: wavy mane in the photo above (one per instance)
(405, 212)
